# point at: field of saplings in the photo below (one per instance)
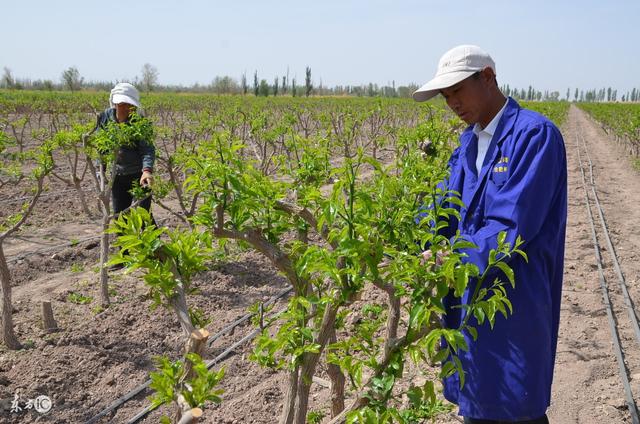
(622, 121)
(278, 278)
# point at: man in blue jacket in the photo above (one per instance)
(510, 170)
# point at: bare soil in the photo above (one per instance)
(587, 387)
(100, 355)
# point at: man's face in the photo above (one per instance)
(468, 98)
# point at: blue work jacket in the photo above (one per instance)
(521, 189)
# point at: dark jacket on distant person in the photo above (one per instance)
(129, 160)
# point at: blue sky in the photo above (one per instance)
(551, 45)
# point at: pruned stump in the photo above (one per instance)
(191, 416)
(196, 344)
(197, 341)
(49, 323)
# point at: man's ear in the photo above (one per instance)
(488, 77)
(487, 74)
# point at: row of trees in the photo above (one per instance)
(594, 95)
(287, 86)
(71, 80)
(264, 89)
(148, 81)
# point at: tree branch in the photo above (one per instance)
(26, 213)
(306, 215)
(172, 212)
(393, 319)
(361, 399)
(254, 237)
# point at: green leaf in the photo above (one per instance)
(458, 368)
(461, 281)
(442, 355)
(507, 271)
(448, 368)
(473, 332)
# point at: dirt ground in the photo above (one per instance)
(99, 355)
(587, 387)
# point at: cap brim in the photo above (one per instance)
(433, 87)
(121, 98)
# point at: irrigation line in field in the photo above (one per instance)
(50, 248)
(61, 245)
(623, 285)
(122, 400)
(49, 194)
(210, 363)
(631, 404)
(246, 317)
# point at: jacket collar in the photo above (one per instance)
(491, 126)
(469, 146)
(504, 128)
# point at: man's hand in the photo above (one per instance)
(146, 179)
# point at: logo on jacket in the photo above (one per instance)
(502, 165)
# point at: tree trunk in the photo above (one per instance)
(302, 405)
(178, 301)
(310, 361)
(104, 198)
(8, 335)
(337, 384)
(104, 258)
(179, 305)
(289, 405)
(81, 196)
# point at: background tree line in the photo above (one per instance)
(284, 85)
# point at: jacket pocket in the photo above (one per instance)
(499, 175)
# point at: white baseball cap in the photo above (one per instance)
(123, 92)
(455, 65)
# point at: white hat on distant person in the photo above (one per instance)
(123, 92)
(455, 65)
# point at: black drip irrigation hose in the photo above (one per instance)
(631, 404)
(50, 248)
(44, 195)
(52, 193)
(228, 328)
(633, 317)
(17, 257)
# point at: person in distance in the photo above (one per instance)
(135, 162)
